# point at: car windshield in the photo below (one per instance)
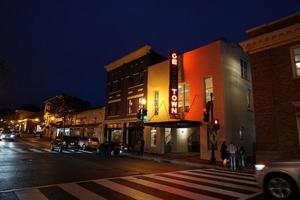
(6, 132)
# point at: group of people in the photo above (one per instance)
(233, 154)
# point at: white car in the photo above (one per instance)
(92, 143)
(7, 135)
(280, 179)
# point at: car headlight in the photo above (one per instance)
(12, 136)
(64, 142)
(259, 167)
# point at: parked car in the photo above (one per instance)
(65, 142)
(112, 148)
(88, 143)
(280, 179)
(7, 134)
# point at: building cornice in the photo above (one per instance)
(273, 39)
(128, 58)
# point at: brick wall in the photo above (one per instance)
(274, 91)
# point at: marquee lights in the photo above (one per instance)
(173, 88)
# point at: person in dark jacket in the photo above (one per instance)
(224, 153)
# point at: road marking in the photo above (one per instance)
(127, 190)
(85, 151)
(80, 192)
(36, 150)
(226, 175)
(20, 150)
(47, 150)
(253, 189)
(199, 186)
(220, 177)
(32, 194)
(231, 172)
(169, 189)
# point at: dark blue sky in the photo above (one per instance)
(55, 46)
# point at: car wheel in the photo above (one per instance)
(280, 186)
(83, 147)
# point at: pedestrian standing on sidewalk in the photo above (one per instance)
(224, 154)
(242, 157)
(232, 155)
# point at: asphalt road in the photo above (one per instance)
(34, 172)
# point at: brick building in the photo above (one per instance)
(274, 51)
(126, 87)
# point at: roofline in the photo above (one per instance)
(271, 23)
(128, 58)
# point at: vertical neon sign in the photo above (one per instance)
(173, 87)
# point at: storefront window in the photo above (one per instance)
(153, 137)
(116, 136)
(168, 135)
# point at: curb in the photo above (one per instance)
(184, 163)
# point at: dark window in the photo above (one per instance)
(244, 69)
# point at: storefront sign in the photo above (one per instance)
(173, 88)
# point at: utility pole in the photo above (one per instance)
(213, 157)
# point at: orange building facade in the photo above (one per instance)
(219, 68)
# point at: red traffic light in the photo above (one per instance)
(216, 124)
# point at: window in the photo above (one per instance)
(168, 136)
(208, 85)
(156, 102)
(134, 105)
(183, 97)
(130, 103)
(116, 86)
(249, 100)
(114, 108)
(295, 53)
(153, 137)
(244, 69)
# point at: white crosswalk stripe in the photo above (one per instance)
(36, 150)
(185, 184)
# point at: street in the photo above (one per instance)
(31, 171)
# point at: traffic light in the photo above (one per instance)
(216, 124)
(144, 114)
(206, 111)
(205, 115)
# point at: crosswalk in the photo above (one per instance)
(20, 150)
(206, 184)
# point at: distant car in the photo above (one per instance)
(7, 134)
(91, 143)
(112, 148)
(65, 142)
(280, 179)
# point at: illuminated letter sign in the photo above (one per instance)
(173, 89)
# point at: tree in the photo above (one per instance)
(65, 105)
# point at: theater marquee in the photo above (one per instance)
(173, 88)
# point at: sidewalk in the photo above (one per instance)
(188, 159)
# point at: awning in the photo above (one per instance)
(175, 124)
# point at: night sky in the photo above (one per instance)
(51, 47)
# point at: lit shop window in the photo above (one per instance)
(244, 69)
(168, 136)
(296, 61)
(130, 106)
(156, 102)
(116, 135)
(153, 137)
(183, 97)
(208, 85)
